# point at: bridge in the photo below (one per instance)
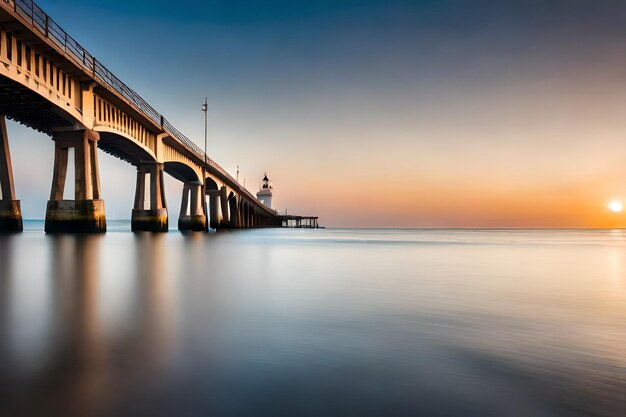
(50, 83)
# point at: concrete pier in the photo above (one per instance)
(225, 220)
(75, 216)
(10, 211)
(234, 211)
(192, 215)
(298, 222)
(84, 214)
(10, 216)
(214, 208)
(153, 219)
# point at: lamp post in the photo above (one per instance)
(205, 109)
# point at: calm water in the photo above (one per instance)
(314, 323)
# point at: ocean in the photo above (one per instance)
(328, 322)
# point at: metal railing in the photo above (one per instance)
(44, 24)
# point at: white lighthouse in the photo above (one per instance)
(265, 192)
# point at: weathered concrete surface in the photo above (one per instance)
(75, 216)
(154, 220)
(196, 223)
(10, 216)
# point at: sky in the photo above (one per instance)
(373, 113)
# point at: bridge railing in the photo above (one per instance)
(169, 128)
(51, 30)
(29, 10)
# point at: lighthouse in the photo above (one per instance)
(265, 192)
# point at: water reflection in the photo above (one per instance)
(153, 302)
(321, 323)
(80, 364)
(6, 272)
(84, 365)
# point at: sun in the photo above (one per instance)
(616, 206)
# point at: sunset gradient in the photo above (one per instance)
(374, 113)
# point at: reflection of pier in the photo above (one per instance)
(299, 222)
(90, 324)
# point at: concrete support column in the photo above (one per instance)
(192, 215)
(154, 218)
(10, 211)
(242, 213)
(225, 222)
(214, 208)
(84, 214)
(241, 220)
(234, 212)
(194, 207)
(140, 191)
(184, 205)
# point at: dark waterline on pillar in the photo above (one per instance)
(10, 216)
(70, 216)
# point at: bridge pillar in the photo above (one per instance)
(10, 211)
(214, 208)
(84, 214)
(242, 214)
(245, 215)
(153, 219)
(225, 222)
(234, 212)
(192, 215)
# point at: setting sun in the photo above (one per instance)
(616, 206)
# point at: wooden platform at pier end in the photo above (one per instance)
(299, 222)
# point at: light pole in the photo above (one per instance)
(205, 109)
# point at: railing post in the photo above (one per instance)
(46, 27)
